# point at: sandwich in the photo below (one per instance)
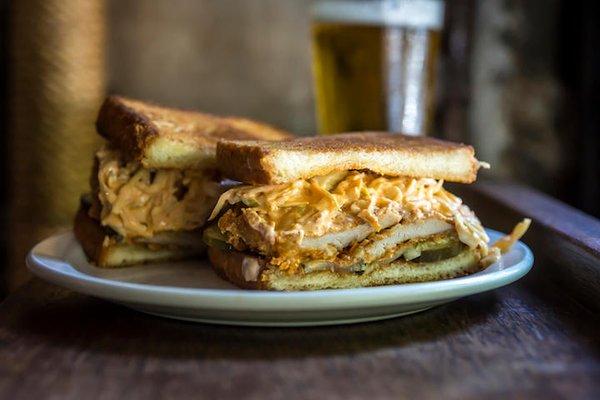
(155, 181)
(345, 211)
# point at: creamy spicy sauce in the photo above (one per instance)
(139, 202)
(280, 216)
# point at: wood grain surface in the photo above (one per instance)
(524, 341)
(566, 239)
(536, 339)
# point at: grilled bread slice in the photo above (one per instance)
(161, 137)
(250, 272)
(262, 162)
(102, 250)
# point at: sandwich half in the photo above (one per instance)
(155, 181)
(346, 211)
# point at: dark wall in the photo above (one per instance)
(250, 58)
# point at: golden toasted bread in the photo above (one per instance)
(106, 253)
(261, 162)
(234, 267)
(163, 137)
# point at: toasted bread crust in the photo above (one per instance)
(125, 127)
(229, 265)
(89, 234)
(248, 164)
(188, 138)
(260, 162)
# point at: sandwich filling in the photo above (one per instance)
(347, 220)
(141, 204)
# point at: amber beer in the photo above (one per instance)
(375, 64)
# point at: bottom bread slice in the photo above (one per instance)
(108, 254)
(250, 272)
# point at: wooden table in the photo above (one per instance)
(538, 338)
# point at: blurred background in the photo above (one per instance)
(518, 79)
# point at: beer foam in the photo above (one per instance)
(410, 13)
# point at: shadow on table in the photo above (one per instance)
(90, 325)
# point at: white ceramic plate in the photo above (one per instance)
(191, 291)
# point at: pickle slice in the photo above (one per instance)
(440, 254)
(250, 202)
(330, 181)
(213, 237)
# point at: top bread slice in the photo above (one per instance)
(161, 137)
(261, 162)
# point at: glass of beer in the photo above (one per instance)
(375, 64)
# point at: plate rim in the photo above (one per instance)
(240, 299)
